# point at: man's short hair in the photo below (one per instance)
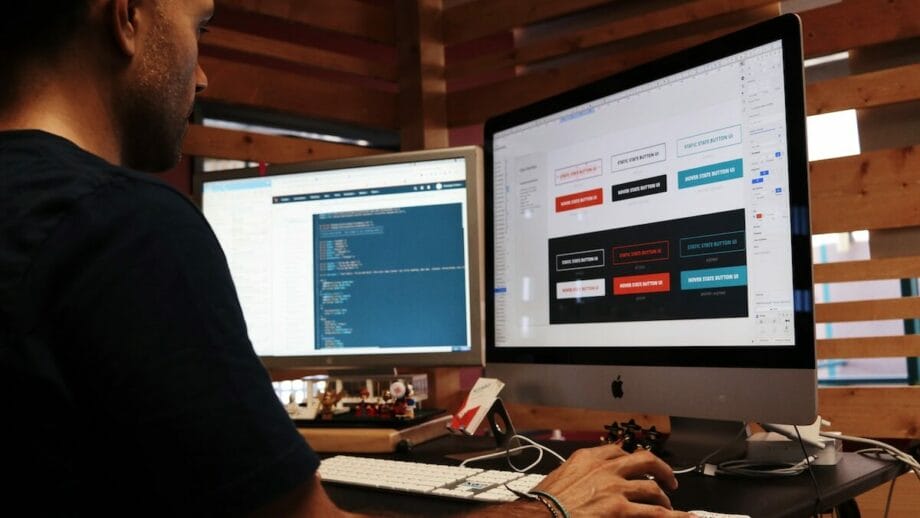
(34, 30)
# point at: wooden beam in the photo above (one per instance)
(889, 86)
(874, 190)
(858, 23)
(219, 37)
(883, 412)
(238, 83)
(475, 105)
(864, 310)
(253, 147)
(905, 499)
(533, 417)
(619, 25)
(478, 18)
(634, 23)
(870, 347)
(422, 88)
(869, 270)
(352, 17)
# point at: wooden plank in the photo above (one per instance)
(869, 270)
(478, 18)
(881, 412)
(864, 310)
(889, 86)
(422, 88)
(238, 83)
(253, 147)
(870, 347)
(533, 417)
(219, 37)
(905, 499)
(352, 17)
(623, 21)
(874, 190)
(475, 105)
(372, 440)
(858, 23)
(629, 24)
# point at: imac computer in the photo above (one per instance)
(647, 238)
(368, 263)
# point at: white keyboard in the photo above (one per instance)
(430, 479)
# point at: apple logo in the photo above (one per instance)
(616, 386)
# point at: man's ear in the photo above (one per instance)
(123, 20)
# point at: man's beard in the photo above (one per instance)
(154, 111)
(152, 135)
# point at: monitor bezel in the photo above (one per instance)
(473, 158)
(801, 355)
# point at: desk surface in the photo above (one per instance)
(774, 497)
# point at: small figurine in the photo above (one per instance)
(385, 408)
(410, 401)
(362, 408)
(330, 398)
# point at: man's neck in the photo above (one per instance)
(77, 113)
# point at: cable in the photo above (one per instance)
(509, 450)
(811, 472)
(700, 466)
(886, 448)
(890, 492)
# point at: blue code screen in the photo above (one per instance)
(390, 278)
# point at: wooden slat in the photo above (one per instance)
(875, 190)
(422, 89)
(475, 105)
(870, 347)
(241, 145)
(889, 86)
(533, 417)
(238, 83)
(353, 17)
(622, 26)
(864, 310)
(483, 17)
(859, 23)
(887, 412)
(905, 499)
(219, 37)
(869, 270)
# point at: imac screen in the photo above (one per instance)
(658, 217)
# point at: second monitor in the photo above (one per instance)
(368, 261)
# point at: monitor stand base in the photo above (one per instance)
(692, 440)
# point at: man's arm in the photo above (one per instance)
(601, 481)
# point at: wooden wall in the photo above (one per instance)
(435, 70)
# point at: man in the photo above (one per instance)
(129, 385)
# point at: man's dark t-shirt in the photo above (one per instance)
(127, 381)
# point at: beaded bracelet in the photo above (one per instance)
(548, 505)
(562, 511)
(552, 503)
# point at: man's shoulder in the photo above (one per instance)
(53, 194)
(46, 175)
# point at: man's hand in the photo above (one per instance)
(607, 481)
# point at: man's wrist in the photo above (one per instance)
(518, 509)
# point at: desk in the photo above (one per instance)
(774, 497)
